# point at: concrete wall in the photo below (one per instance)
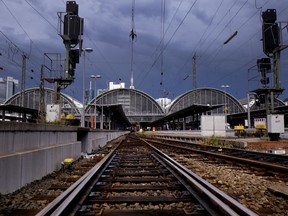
(30, 151)
(98, 139)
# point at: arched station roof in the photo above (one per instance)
(207, 96)
(138, 106)
(32, 100)
(277, 103)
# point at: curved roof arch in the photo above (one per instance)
(207, 96)
(277, 103)
(32, 100)
(137, 105)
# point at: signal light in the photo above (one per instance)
(259, 99)
(270, 31)
(265, 81)
(269, 16)
(72, 7)
(264, 65)
(73, 60)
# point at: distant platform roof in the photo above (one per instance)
(116, 112)
(209, 97)
(26, 114)
(32, 100)
(191, 110)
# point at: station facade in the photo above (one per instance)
(124, 107)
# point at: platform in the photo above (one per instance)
(256, 143)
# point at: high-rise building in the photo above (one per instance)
(8, 87)
(113, 85)
(164, 102)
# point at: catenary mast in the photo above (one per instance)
(133, 36)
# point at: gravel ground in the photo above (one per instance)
(24, 198)
(248, 187)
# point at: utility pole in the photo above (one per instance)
(23, 79)
(194, 82)
(272, 47)
(1, 68)
(42, 96)
(132, 35)
(194, 75)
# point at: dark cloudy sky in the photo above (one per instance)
(190, 27)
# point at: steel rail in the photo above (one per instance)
(57, 206)
(70, 200)
(73, 198)
(271, 166)
(226, 204)
(224, 149)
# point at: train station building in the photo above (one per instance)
(122, 108)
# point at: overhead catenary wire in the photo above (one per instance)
(17, 21)
(228, 23)
(162, 39)
(27, 54)
(12, 47)
(40, 14)
(231, 73)
(241, 45)
(168, 27)
(215, 56)
(168, 42)
(238, 29)
(201, 41)
(214, 29)
(154, 53)
(16, 51)
(101, 54)
(216, 53)
(86, 34)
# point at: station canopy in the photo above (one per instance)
(138, 107)
(134, 107)
(199, 101)
(32, 100)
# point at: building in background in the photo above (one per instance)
(8, 87)
(113, 85)
(90, 93)
(163, 102)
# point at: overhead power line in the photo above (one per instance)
(154, 53)
(230, 73)
(40, 14)
(201, 41)
(168, 42)
(31, 41)
(210, 34)
(101, 54)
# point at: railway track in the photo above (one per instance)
(138, 179)
(258, 159)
